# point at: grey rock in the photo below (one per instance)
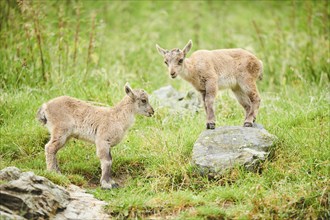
(10, 173)
(168, 92)
(6, 216)
(219, 150)
(82, 206)
(23, 195)
(30, 196)
(168, 97)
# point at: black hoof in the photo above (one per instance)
(110, 186)
(248, 124)
(114, 186)
(210, 126)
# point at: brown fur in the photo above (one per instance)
(67, 117)
(211, 70)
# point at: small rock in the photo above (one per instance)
(176, 101)
(221, 149)
(167, 92)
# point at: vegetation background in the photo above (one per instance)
(89, 49)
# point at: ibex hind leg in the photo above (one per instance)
(252, 93)
(255, 100)
(245, 102)
(56, 142)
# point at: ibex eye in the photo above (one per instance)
(144, 101)
(166, 63)
(180, 61)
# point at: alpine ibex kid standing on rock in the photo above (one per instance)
(67, 117)
(211, 70)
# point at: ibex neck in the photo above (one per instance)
(125, 111)
(186, 69)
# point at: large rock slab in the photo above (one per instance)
(219, 150)
(30, 196)
(168, 97)
(24, 195)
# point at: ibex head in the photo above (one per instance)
(174, 59)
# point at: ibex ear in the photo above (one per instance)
(129, 91)
(161, 51)
(187, 48)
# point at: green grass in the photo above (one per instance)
(153, 163)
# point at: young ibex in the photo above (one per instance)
(67, 117)
(210, 70)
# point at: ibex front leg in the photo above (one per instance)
(210, 95)
(103, 152)
(203, 98)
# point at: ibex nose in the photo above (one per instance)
(173, 74)
(151, 112)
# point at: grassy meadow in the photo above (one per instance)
(90, 49)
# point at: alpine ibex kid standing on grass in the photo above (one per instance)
(211, 70)
(67, 117)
